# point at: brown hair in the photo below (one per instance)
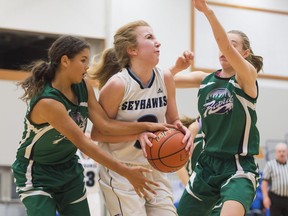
(43, 72)
(255, 60)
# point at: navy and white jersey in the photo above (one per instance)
(90, 172)
(140, 103)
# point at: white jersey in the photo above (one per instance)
(90, 173)
(139, 103)
(90, 166)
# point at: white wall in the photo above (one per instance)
(11, 118)
(170, 20)
(83, 18)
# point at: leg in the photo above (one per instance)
(238, 209)
(71, 198)
(39, 205)
(237, 194)
(189, 205)
(162, 203)
(217, 208)
(119, 195)
(276, 205)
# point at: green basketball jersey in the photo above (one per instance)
(228, 117)
(44, 144)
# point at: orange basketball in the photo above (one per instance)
(168, 153)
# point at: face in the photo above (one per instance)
(147, 49)
(281, 153)
(236, 42)
(78, 66)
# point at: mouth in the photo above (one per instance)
(222, 58)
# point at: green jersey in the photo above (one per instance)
(43, 143)
(228, 117)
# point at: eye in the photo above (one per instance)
(149, 36)
(84, 60)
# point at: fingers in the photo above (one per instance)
(149, 137)
(143, 187)
(190, 145)
(169, 126)
(144, 140)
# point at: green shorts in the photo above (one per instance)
(43, 189)
(219, 178)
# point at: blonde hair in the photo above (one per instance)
(114, 59)
(187, 121)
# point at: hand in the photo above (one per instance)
(188, 138)
(267, 202)
(200, 5)
(182, 62)
(145, 139)
(159, 126)
(140, 182)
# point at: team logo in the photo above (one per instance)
(218, 101)
(78, 119)
(159, 91)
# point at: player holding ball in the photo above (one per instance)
(136, 91)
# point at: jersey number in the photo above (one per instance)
(146, 118)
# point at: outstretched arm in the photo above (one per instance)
(54, 113)
(108, 126)
(246, 73)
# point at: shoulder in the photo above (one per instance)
(115, 86)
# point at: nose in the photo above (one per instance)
(157, 43)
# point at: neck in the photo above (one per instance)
(143, 73)
(226, 73)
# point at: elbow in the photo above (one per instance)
(104, 129)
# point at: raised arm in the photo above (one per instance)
(246, 73)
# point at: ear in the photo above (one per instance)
(246, 53)
(132, 51)
(65, 60)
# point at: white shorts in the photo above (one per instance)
(121, 198)
(96, 205)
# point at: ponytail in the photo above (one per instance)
(41, 73)
(105, 67)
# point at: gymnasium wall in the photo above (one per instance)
(171, 22)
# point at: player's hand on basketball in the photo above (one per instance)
(188, 138)
(159, 126)
(140, 182)
(145, 139)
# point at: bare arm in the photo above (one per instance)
(107, 126)
(189, 80)
(246, 74)
(265, 189)
(183, 175)
(53, 112)
(182, 62)
(172, 116)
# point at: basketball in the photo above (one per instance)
(167, 153)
